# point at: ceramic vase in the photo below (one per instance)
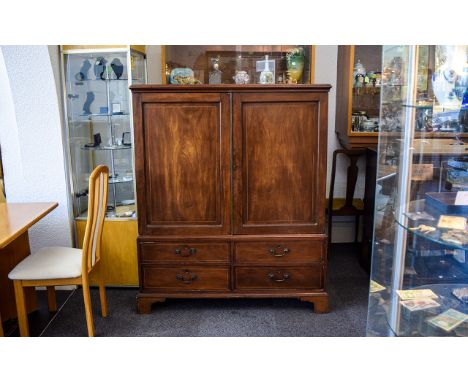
(295, 66)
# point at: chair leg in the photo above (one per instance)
(88, 308)
(21, 309)
(102, 296)
(356, 228)
(329, 233)
(51, 299)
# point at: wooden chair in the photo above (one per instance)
(348, 206)
(67, 266)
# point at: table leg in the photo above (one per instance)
(10, 256)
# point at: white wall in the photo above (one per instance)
(32, 141)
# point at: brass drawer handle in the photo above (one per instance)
(187, 277)
(185, 251)
(276, 276)
(277, 251)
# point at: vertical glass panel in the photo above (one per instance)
(229, 64)
(99, 124)
(419, 275)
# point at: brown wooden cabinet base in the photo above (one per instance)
(319, 298)
(230, 184)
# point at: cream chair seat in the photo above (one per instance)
(52, 266)
(49, 263)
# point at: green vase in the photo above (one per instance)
(295, 66)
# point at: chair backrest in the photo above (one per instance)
(351, 176)
(97, 205)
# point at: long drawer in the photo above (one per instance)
(309, 277)
(185, 278)
(184, 252)
(279, 252)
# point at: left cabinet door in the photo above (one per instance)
(182, 161)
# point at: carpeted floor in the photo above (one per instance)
(347, 286)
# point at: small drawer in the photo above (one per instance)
(184, 252)
(280, 252)
(186, 278)
(279, 277)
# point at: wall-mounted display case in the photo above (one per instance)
(99, 120)
(359, 80)
(238, 64)
(419, 275)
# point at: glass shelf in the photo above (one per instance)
(423, 107)
(434, 237)
(106, 79)
(415, 323)
(107, 148)
(103, 115)
(120, 180)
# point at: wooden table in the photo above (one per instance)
(15, 220)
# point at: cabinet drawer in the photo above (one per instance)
(280, 252)
(186, 278)
(184, 252)
(279, 277)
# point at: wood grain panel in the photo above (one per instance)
(278, 172)
(184, 252)
(119, 259)
(276, 277)
(279, 252)
(186, 164)
(186, 278)
(17, 218)
(276, 143)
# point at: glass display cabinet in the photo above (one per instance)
(99, 120)
(238, 64)
(419, 273)
(359, 88)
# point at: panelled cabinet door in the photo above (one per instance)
(182, 159)
(279, 167)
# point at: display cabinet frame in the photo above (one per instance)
(119, 257)
(246, 48)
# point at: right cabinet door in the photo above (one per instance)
(279, 162)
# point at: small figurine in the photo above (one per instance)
(83, 73)
(117, 67)
(241, 77)
(87, 105)
(100, 68)
(215, 74)
(266, 76)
